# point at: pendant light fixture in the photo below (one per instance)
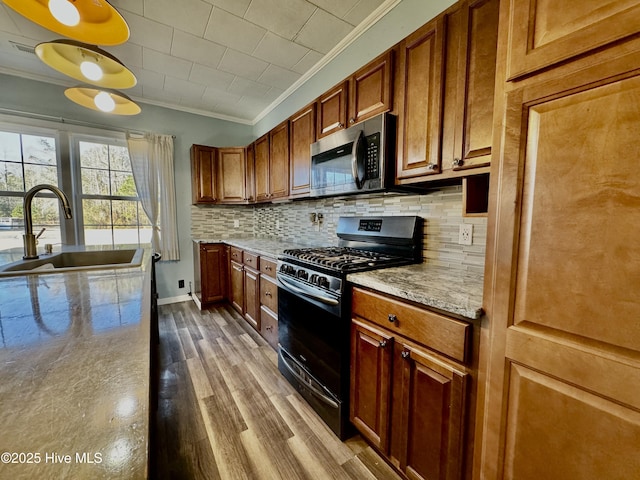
(86, 63)
(91, 21)
(102, 100)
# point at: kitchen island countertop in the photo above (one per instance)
(75, 374)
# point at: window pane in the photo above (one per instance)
(11, 223)
(10, 147)
(125, 235)
(94, 155)
(122, 184)
(120, 158)
(95, 182)
(11, 177)
(44, 211)
(96, 212)
(37, 174)
(125, 212)
(39, 150)
(94, 235)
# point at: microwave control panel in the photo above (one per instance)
(373, 156)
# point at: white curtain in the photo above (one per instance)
(152, 165)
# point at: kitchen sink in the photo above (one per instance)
(72, 261)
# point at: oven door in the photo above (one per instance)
(316, 339)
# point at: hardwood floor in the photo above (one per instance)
(225, 412)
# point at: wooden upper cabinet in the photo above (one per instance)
(250, 175)
(419, 80)
(279, 161)
(203, 174)
(261, 177)
(231, 175)
(332, 110)
(546, 32)
(302, 133)
(371, 89)
(470, 71)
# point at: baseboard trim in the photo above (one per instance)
(168, 300)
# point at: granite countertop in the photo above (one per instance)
(75, 374)
(450, 290)
(268, 247)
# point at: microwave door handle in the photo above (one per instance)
(358, 158)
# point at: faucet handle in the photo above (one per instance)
(40, 234)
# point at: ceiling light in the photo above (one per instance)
(97, 22)
(110, 101)
(86, 63)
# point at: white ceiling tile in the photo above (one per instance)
(245, 87)
(161, 95)
(238, 33)
(6, 24)
(237, 7)
(148, 33)
(242, 65)
(179, 87)
(279, 51)
(278, 77)
(165, 64)
(149, 79)
(19, 25)
(284, 17)
(186, 15)
(309, 60)
(210, 77)
(196, 49)
(362, 10)
(323, 31)
(128, 53)
(251, 107)
(272, 94)
(335, 7)
(135, 6)
(218, 97)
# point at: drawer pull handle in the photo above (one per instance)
(267, 294)
(268, 268)
(383, 343)
(392, 318)
(405, 354)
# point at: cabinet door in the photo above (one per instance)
(261, 150)
(250, 174)
(429, 422)
(279, 161)
(470, 71)
(203, 177)
(269, 326)
(302, 135)
(546, 32)
(565, 357)
(419, 76)
(332, 110)
(371, 89)
(252, 297)
(231, 175)
(237, 286)
(213, 272)
(369, 408)
(269, 293)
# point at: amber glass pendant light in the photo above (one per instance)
(91, 21)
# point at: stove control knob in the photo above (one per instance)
(302, 274)
(288, 269)
(323, 282)
(314, 279)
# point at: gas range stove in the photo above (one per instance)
(342, 259)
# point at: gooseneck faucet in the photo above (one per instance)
(30, 250)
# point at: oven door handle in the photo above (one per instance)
(316, 392)
(289, 286)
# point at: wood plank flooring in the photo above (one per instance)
(225, 412)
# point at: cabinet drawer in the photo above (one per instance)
(269, 293)
(268, 267)
(252, 260)
(269, 326)
(443, 334)
(236, 254)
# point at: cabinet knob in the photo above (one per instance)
(267, 294)
(268, 268)
(352, 120)
(269, 328)
(383, 343)
(458, 162)
(392, 318)
(405, 354)
(341, 125)
(432, 166)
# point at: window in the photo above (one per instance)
(111, 211)
(95, 173)
(27, 160)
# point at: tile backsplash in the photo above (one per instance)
(292, 221)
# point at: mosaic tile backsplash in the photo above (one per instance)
(292, 221)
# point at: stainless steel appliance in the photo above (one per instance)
(314, 306)
(355, 160)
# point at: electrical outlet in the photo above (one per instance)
(465, 235)
(236, 223)
(180, 283)
(277, 223)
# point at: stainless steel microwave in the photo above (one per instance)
(358, 159)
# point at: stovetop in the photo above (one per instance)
(342, 259)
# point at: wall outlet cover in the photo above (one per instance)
(180, 283)
(465, 235)
(236, 223)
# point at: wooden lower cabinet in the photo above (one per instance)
(408, 402)
(236, 282)
(210, 269)
(269, 326)
(252, 297)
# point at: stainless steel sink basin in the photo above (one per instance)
(71, 261)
